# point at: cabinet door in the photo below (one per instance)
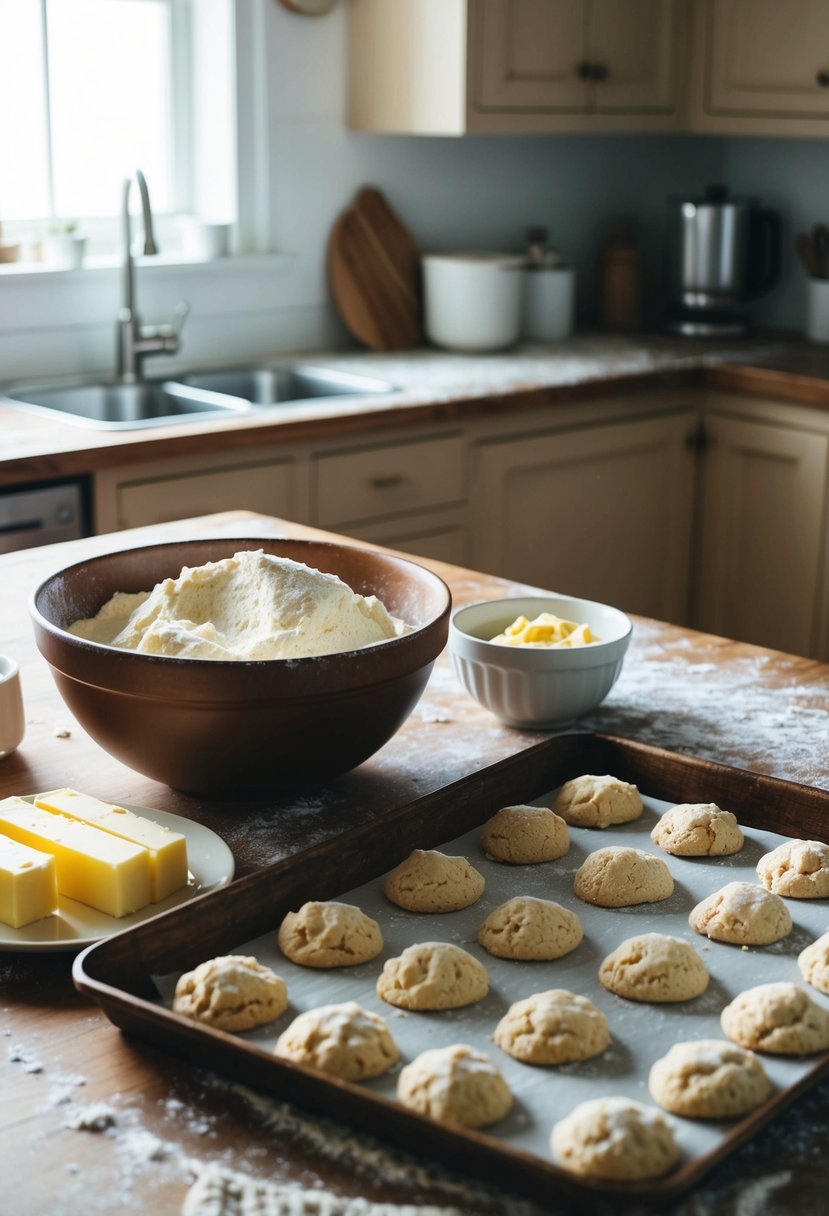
(528, 55)
(634, 43)
(768, 57)
(761, 515)
(603, 513)
(266, 488)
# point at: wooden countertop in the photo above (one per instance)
(434, 385)
(695, 693)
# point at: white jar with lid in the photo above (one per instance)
(473, 301)
(549, 301)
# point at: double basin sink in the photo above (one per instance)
(194, 396)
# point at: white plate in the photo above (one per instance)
(75, 925)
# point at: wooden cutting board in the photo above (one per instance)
(374, 272)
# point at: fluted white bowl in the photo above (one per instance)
(534, 687)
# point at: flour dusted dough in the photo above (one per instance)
(654, 967)
(618, 877)
(429, 881)
(455, 1084)
(598, 802)
(433, 975)
(698, 829)
(331, 934)
(231, 992)
(615, 1138)
(709, 1079)
(743, 914)
(344, 1041)
(525, 835)
(530, 929)
(552, 1027)
(779, 1018)
(814, 964)
(798, 869)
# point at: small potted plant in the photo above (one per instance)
(61, 247)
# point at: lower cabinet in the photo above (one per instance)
(614, 499)
(601, 512)
(160, 491)
(762, 524)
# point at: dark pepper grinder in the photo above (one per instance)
(620, 282)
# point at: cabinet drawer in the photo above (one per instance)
(386, 481)
(256, 487)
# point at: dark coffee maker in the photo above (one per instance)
(722, 252)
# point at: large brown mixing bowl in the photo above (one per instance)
(241, 729)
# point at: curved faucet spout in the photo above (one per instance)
(134, 342)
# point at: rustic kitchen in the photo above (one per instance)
(510, 320)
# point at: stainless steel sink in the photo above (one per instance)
(193, 397)
(279, 384)
(123, 407)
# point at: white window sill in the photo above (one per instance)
(268, 263)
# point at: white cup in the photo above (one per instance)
(817, 313)
(549, 295)
(202, 238)
(12, 720)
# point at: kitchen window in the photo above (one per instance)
(90, 90)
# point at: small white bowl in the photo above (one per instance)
(533, 687)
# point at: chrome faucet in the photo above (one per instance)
(134, 340)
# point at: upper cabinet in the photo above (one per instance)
(449, 67)
(446, 67)
(761, 67)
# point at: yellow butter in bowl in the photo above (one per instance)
(545, 631)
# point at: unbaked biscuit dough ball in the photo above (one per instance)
(530, 929)
(430, 881)
(698, 829)
(433, 975)
(779, 1018)
(455, 1084)
(617, 1139)
(618, 877)
(525, 835)
(656, 968)
(343, 1041)
(553, 1027)
(709, 1079)
(332, 934)
(814, 964)
(798, 869)
(232, 992)
(598, 802)
(743, 914)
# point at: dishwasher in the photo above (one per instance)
(43, 514)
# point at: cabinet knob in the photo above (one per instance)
(822, 79)
(600, 71)
(584, 70)
(698, 439)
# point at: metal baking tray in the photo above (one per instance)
(131, 974)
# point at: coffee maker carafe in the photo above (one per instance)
(722, 252)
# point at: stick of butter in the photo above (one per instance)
(168, 850)
(28, 884)
(92, 866)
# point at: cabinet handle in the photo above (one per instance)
(823, 79)
(698, 439)
(387, 483)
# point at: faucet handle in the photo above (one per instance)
(169, 332)
(180, 315)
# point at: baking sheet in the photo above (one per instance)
(641, 1033)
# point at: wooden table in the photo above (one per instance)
(61, 1057)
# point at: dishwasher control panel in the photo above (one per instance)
(42, 515)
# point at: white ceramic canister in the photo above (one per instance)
(473, 301)
(549, 298)
(817, 311)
